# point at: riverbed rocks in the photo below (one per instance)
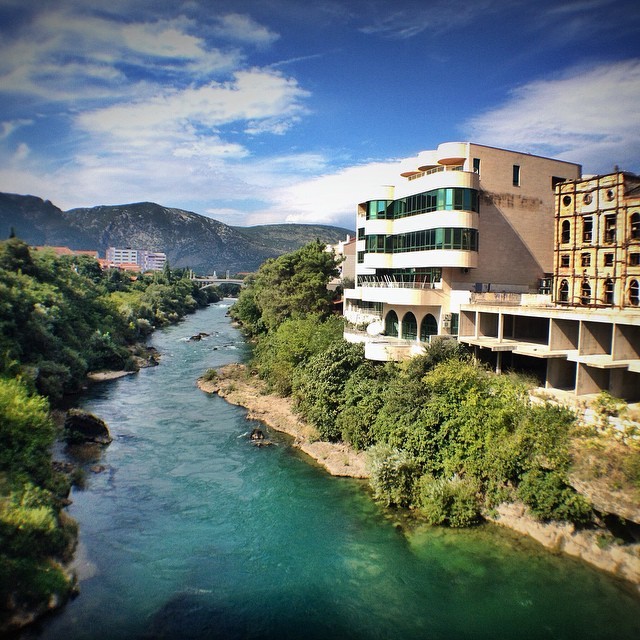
(82, 427)
(198, 336)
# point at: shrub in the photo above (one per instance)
(453, 501)
(393, 475)
(318, 386)
(550, 498)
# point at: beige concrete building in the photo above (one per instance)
(585, 337)
(462, 218)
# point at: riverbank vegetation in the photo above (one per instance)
(60, 318)
(446, 437)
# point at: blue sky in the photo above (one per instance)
(267, 111)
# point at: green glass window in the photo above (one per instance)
(391, 324)
(409, 326)
(428, 327)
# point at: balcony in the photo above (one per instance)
(395, 292)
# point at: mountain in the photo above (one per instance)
(188, 239)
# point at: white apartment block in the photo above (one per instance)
(146, 260)
(462, 218)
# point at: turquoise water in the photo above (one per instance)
(191, 532)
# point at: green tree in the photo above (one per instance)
(291, 345)
(295, 284)
(318, 386)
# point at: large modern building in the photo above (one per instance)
(585, 337)
(463, 218)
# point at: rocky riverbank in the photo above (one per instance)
(235, 383)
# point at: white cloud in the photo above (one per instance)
(10, 126)
(243, 28)
(22, 152)
(331, 198)
(589, 116)
(63, 55)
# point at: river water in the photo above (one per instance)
(191, 532)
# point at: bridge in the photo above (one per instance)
(212, 281)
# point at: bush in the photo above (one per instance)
(550, 498)
(318, 386)
(453, 501)
(393, 475)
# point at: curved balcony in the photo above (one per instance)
(452, 153)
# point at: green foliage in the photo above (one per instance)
(290, 286)
(26, 433)
(549, 497)
(318, 386)
(393, 474)
(291, 345)
(452, 501)
(363, 400)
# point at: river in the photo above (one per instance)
(191, 532)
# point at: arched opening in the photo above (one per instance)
(563, 291)
(409, 326)
(391, 324)
(428, 327)
(585, 292)
(566, 232)
(634, 293)
(608, 291)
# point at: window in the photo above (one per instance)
(608, 259)
(566, 232)
(585, 292)
(635, 226)
(563, 291)
(516, 175)
(476, 165)
(587, 229)
(409, 326)
(566, 201)
(586, 259)
(556, 180)
(361, 233)
(634, 293)
(608, 291)
(428, 327)
(391, 324)
(455, 322)
(565, 260)
(634, 259)
(610, 228)
(360, 257)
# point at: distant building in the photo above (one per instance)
(463, 218)
(346, 251)
(145, 260)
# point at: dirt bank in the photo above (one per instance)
(237, 386)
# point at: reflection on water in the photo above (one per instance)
(188, 531)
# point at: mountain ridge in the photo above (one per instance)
(189, 239)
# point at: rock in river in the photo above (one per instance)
(81, 426)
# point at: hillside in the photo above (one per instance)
(188, 239)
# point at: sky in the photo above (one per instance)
(270, 111)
